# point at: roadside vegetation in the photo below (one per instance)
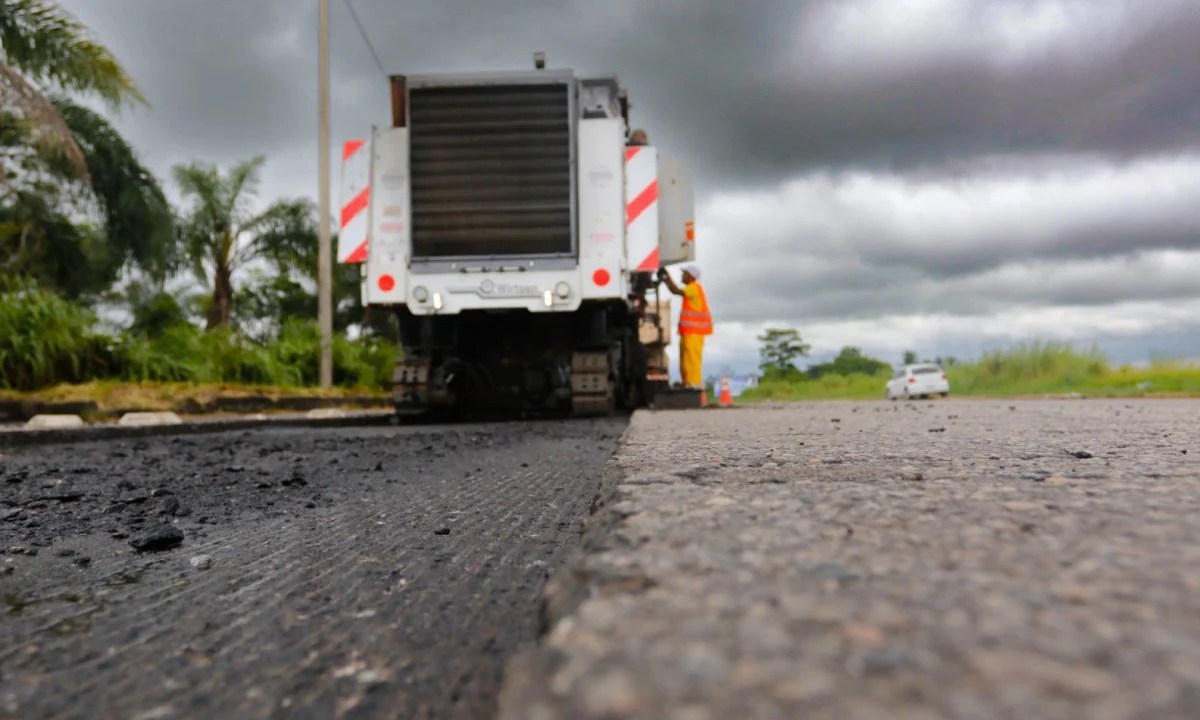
(104, 284)
(1028, 369)
(46, 340)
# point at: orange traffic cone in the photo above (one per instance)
(726, 397)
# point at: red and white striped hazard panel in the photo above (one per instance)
(641, 207)
(354, 225)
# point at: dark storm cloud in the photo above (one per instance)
(224, 80)
(819, 292)
(752, 91)
(739, 87)
(1138, 97)
(860, 246)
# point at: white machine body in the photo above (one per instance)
(631, 210)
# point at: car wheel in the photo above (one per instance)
(945, 394)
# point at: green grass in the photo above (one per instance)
(47, 341)
(1161, 377)
(1030, 369)
(185, 353)
(1055, 368)
(827, 387)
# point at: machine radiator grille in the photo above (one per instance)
(491, 170)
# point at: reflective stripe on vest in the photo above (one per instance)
(695, 319)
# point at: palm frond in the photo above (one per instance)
(286, 234)
(42, 121)
(198, 179)
(138, 221)
(242, 185)
(48, 44)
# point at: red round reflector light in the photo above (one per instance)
(601, 277)
(387, 283)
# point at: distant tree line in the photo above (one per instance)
(781, 348)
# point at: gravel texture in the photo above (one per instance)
(946, 559)
(358, 573)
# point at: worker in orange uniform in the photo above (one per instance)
(695, 324)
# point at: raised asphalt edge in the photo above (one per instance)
(569, 586)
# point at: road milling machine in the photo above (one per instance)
(517, 235)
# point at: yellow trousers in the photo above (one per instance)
(691, 360)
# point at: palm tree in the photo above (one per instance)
(50, 146)
(221, 232)
(40, 44)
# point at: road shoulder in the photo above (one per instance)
(920, 560)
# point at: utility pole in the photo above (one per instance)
(324, 253)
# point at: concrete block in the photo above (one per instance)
(148, 419)
(54, 422)
(326, 414)
(678, 399)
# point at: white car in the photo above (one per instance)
(923, 380)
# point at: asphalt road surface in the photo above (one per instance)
(962, 559)
(369, 572)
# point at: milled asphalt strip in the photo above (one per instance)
(20, 437)
(973, 559)
(393, 584)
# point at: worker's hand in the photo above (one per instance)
(662, 273)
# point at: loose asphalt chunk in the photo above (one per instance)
(170, 506)
(163, 537)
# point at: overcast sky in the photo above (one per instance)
(943, 175)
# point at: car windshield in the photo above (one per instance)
(926, 370)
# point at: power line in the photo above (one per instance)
(363, 32)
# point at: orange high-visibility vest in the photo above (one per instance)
(695, 319)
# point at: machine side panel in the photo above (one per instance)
(689, 210)
(390, 218)
(601, 208)
(354, 202)
(676, 224)
(641, 208)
